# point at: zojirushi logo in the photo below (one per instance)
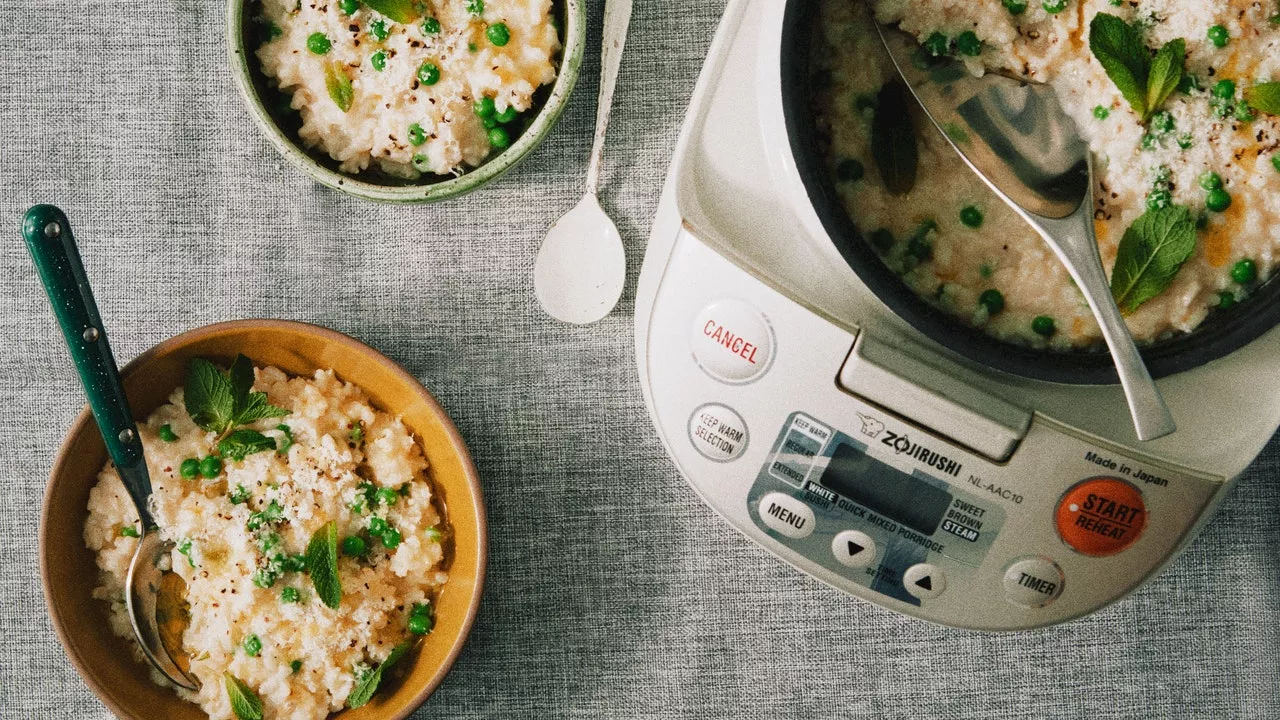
(902, 444)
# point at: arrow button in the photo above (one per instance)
(924, 581)
(853, 549)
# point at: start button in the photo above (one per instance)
(732, 341)
(1101, 516)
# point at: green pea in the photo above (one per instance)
(417, 136)
(992, 300)
(499, 138)
(264, 578)
(378, 60)
(971, 216)
(1101, 112)
(1158, 199)
(485, 107)
(129, 531)
(1044, 326)
(1219, 36)
(252, 645)
(388, 496)
(295, 666)
(1053, 7)
(354, 546)
(882, 240)
(472, 47)
(1015, 7)
(428, 73)
(189, 469)
(290, 595)
(239, 496)
(1245, 113)
(348, 7)
(421, 162)
(391, 538)
(1275, 162)
(968, 44)
(420, 624)
(1185, 141)
(499, 34)
(1218, 200)
(377, 525)
(431, 26)
(318, 43)
(850, 170)
(1226, 299)
(1211, 180)
(1149, 142)
(1225, 89)
(1244, 271)
(507, 115)
(378, 30)
(211, 467)
(1163, 122)
(167, 434)
(937, 45)
(475, 7)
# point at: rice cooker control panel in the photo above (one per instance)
(752, 394)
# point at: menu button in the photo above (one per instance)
(786, 515)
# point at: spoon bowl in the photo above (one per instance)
(581, 267)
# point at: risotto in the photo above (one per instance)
(432, 86)
(1203, 148)
(243, 502)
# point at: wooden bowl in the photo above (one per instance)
(69, 572)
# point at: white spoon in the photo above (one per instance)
(581, 268)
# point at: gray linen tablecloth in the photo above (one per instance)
(612, 591)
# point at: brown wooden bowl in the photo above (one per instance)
(69, 572)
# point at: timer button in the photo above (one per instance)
(924, 581)
(1101, 516)
(1032, 581)
(732, 341)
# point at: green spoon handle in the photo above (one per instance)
(53, 248)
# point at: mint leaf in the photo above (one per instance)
(893, 139)
(208, 396)
(368, 685)
(322, 564)
(1166, 73)
(243, 443)
(402, 11)
(1151, 253)
(257, 408)
(286, 441)
(1264, 97)
(339, 86)
(244, 702)
(1119, 48)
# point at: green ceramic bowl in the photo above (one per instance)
(259, 96)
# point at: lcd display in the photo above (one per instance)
(885, 490)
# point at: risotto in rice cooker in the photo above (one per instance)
(1186, 150)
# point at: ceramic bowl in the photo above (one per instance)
(70, 574)
(258, 94)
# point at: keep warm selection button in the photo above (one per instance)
(1101, 516)
(732, 341)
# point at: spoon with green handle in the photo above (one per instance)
(53, 248)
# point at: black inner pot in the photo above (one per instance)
(1221, 333)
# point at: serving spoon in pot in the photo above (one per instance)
(1015, 135)
(153, 596)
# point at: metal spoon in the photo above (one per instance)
(154, 599)
(1018, 139)
(581, 267)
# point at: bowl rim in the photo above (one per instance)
(573, 50)
(84, 420)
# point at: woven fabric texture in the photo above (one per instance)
(612, 590)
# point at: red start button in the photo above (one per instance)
(1101, 516)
